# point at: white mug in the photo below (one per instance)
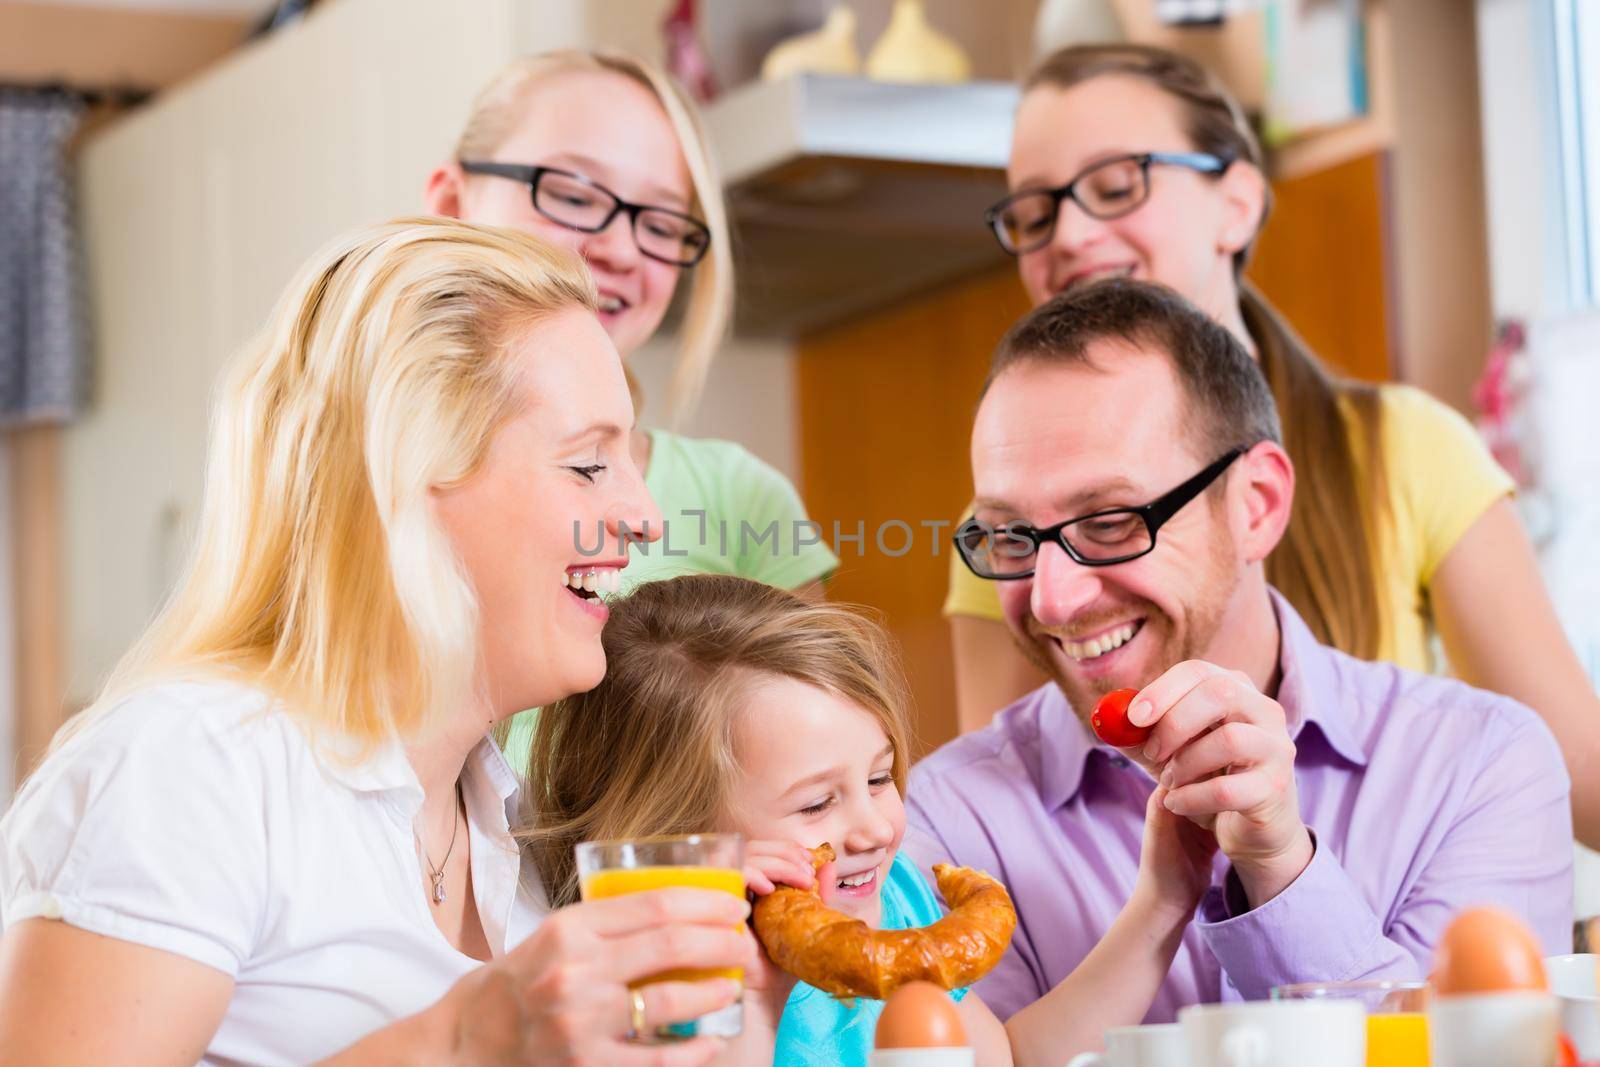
(922, 1057)
(1276, 1033)
(1157, 1045)
(1574, 979)
(1494, 1030)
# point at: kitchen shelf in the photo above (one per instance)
(849, 194)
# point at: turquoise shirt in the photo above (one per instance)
(819, 1030)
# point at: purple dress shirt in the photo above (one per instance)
(1424, 796)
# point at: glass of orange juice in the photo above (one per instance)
(698, 861)
(1397, 1016)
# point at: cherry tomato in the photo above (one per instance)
(1566, 1055)
(1110, 720)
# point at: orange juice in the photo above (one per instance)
(617, 882)
(1397, 1040)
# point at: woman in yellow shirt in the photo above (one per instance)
(1402, 527)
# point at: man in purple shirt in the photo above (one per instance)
(1356, 806)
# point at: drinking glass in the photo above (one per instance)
(698, 861)
(1397, 1016)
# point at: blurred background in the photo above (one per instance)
(166, 164)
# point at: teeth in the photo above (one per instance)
(857, 880)
(602, 580)
(1100, 275)
(610, 303)
(1082, 650)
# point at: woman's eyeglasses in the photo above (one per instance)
(1114, 535)
(1111, 188)
(573, 201)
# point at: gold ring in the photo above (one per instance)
(636, 1023)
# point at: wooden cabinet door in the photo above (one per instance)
(1324, 260)
(886, 407)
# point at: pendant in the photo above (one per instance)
(438, 890)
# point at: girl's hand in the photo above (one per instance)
(769, 864)
(1175, 862)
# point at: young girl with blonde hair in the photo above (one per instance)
(732, 706)
(601, 153)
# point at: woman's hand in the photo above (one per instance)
(1175, 862)
(562, 996)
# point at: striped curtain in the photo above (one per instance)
(43, 333)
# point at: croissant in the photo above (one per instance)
(848, 958)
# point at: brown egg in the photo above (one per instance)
(920, 1015)
(1488, 950)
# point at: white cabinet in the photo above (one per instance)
(198, 209)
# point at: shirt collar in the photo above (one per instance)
(383, 767)
(495, 768)
(388, 768)
(1065, 746)
(1308, 688)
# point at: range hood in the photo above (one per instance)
(848, 194)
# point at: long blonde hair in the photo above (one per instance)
(1329, 576)
(709, 308)
(650, 750)
(320, 575)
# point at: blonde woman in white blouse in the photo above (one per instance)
(281, 834)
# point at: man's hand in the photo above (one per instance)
(1225, 758)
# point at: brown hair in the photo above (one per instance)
(650, 749)
(1329, 576)
(1228, 398)
(709, 308)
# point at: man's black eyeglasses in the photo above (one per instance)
(573, 201)
(1099, 539)
(1111, 188)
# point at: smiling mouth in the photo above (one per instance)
(860, 884)
(611, 305)
(592, 584)
(1099, 275)
(1103, 644)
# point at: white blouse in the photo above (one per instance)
(198, 819)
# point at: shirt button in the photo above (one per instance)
(50, 907)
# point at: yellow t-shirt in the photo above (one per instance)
(1441, 479)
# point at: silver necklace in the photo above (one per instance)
(436, 874)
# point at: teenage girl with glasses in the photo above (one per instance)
(1130, 161)
(602, 154)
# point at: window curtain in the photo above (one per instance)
(43, 334)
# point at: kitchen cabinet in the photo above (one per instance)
(196, 212)
(886, 406)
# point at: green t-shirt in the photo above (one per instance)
(726, 512)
